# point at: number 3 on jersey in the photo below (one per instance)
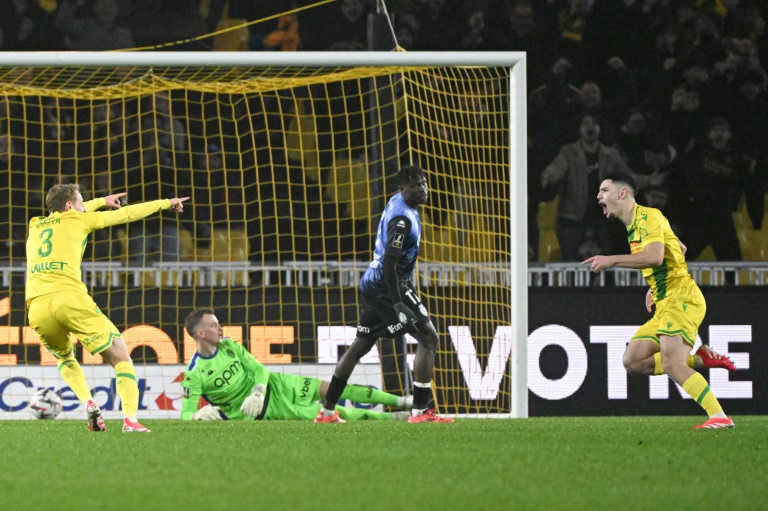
(45, 246)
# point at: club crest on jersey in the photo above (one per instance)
(398, 241)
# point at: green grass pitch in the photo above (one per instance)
(613, 463)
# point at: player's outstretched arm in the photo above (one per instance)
(138, 211)
(177, 205)
(115, 200)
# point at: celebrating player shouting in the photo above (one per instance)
(663, 344)
(237, 386)
(59, 303)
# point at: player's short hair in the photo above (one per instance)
(59, 195)
(409, 174)
(193, 319)
(625, 179)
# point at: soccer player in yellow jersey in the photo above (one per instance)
(58, 302)
(663, 345)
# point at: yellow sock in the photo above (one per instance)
(127, 388)
(73, 374)
(696, 387)
(659, 368)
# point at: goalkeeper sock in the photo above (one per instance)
(659, 368)
(73, 374)
(696, 387)
(332, 396)
(421, 394)
(127, 388)
(361, 394)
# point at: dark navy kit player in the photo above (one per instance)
(389, 303)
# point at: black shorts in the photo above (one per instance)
(378, 317)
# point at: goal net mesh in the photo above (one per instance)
(288, 170)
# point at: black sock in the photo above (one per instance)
(421, 397)
(335, 390)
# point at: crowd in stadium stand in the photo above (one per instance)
(674, 90)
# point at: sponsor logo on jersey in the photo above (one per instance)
(305, 387)
(398, 241)
(49, 266)
(227, 374)
(363, 329)
(396, 327)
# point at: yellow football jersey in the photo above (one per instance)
(56, 243)
(649, 226)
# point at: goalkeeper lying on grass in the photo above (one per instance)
(237, 386)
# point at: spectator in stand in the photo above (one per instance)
(345, 20)
(685, 118)
(659, 157)
(592, 101)
(717, 177)
(742, 58)
(574, 18)
(577, 171)
(407, 28)
(440, 27)
(95, 32)
(523, 32)
(25, 26)
(477, 35)
(552, 108)
(632, 137)
(746, 105)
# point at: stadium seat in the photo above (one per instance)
(548, 215)
(232, 40)
(121, 235)
(349, 186)
(229, 245)
(479, 241)
(549, 248)
(439, 244)
(301, 141)
(188, 252)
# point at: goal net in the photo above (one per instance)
(289, 161)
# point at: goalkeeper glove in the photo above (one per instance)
(404, 314)
(208, 413)
(254, 404)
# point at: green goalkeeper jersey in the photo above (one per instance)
(224, 379)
